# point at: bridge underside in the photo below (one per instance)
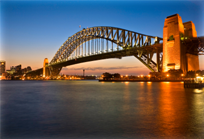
(194, 46)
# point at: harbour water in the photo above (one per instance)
(92, 109)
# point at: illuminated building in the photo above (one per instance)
(174, 55)
(12, 70)
(2, 67)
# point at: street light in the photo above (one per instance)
(149, 76)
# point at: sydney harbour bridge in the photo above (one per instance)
(105, 42)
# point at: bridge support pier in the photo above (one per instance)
(174, 52)
(159, 61)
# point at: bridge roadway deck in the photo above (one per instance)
(106, 55)
(115, 54)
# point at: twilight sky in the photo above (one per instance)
(33, 30)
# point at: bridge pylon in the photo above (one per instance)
(174, 52)
(45, 70)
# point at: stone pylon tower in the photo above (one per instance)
(44, 68)
(174, 53)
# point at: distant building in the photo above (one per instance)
(11, 71)
(25, 70)
(2, 67)
(29, 68)
(18, 69)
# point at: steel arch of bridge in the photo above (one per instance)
(144, 45)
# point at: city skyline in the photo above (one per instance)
(32, 31)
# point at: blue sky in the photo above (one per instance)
(34, 30)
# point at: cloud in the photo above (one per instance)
(101, 68)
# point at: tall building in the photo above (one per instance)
(2, 66)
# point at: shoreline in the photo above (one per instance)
(141, 80)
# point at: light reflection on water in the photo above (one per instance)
(91, 109)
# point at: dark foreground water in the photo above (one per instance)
(90, 109)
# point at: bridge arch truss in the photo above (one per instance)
(90, 41)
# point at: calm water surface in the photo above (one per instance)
(90, 109)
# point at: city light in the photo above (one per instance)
(197, 91)
(167, 75)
